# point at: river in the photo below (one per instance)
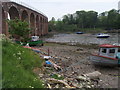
(84, 39)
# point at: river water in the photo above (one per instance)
(84, 39)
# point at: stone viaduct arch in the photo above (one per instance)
(24, 16)
(3, 22)
(37, 26)
(32, 23)
(38, 22)
(13, 12)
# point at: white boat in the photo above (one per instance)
(34, 38)
(107, 55)
(102, 35)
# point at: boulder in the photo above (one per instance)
(93, 75)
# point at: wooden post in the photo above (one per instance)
(48, 52)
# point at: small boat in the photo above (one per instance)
(102, 35)
(79, 33)
(33, 42)
(107, 55)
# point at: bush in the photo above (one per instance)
(19, 29)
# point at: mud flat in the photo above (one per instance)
(74, 61)
(72, 53)
(83, 38)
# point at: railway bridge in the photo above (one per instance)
(11, 9)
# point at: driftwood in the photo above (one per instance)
(93, 75)
(55, 65)
(59, 81)
(49, 86)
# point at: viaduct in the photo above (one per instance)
(10, 9)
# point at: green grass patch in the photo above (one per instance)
(85, 30)
(17, 66)
(56, 76)
(52, 44)
(92, 30)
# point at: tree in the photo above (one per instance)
(59, 25)
(19, 29)
(81, 18)
(52, 24)
(112, 18)
(118, 21)
(65, 19)
(102, 20)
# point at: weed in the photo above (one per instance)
(17, 66)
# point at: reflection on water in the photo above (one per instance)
(84, 39)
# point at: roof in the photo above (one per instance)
(109, 45)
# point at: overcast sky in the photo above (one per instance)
(58, 8)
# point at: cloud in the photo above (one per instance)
(87, 1)
(58, 8)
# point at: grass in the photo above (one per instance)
(92, 30)
(85, 30)
(95, 46)
(51, 44)
(17, 67)
(56, 76)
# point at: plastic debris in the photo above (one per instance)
(48, 62)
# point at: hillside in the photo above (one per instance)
(17, 66)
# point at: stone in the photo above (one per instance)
(40, 75)
(93, 75)
(81, 78)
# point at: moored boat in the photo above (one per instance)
(79, 32)
(107, 55)
(102, 35)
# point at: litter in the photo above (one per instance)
(55, 66)
(38, 51)
(46, 57)
(48, 62)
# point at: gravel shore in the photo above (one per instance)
(74, 61)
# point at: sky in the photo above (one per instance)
(59, 8)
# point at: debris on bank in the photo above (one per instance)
(54, 76)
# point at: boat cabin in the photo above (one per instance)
(35, 38)
(108, 50)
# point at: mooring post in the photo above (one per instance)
(48, 52)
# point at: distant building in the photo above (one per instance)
(119, 6)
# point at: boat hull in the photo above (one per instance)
(79, 33)
(103, 36)
(97, 60)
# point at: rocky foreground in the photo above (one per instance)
(76, 69)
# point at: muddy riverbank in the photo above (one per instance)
(72, 53)
(84, 38)
(74, 61)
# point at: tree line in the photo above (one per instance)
(80, 20)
